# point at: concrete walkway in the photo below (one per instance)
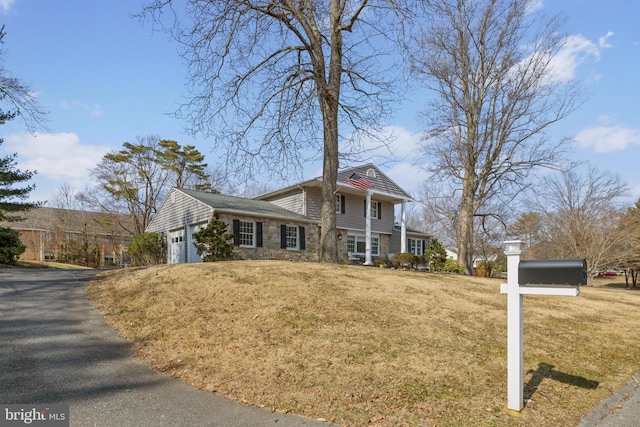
(56, 348)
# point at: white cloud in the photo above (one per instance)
(602, 41)
(535, 5)
(401, 145)
(5, 5)
(57, 157)
(576, 51)
(604, 139)
(634, 191)
(397, 159)
(94, 110)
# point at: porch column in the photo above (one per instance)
(403, 227)
(367, 257)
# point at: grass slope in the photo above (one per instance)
(370, 346)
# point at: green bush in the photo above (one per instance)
(403, 260)
(147, 249)
(452, 266)
(10, 246)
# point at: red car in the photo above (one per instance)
(609, 273)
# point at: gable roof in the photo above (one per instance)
(382, 184)
(232, 204)
(72, 221)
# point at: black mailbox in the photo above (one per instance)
(558, 272)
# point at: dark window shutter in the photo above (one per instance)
(342, 204)
(236, 232)
(408, 248)
(283, 236)
(258, 234)
(302, 236)
(379, 210)
(365, 208)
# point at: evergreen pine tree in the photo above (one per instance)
(11, 197)
(16, 95)
(213, 241)
(435, 254)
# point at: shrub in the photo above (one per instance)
(214, 242)
(403, 260)
(147, 249)
(381, 262)
(452, 266)
(10, 246)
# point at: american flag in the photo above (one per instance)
(359, 182)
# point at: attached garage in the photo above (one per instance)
(176, 247)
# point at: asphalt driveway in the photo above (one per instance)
(56, 348)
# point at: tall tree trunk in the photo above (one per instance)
(465, 240)
(329, 96)
(328, 236)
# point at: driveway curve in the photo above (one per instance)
(56, 348)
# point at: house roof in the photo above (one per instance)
(412, 231)
(70, 220)
(381, 183)
(382, 186)
(232, 204)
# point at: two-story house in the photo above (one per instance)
(285, 224)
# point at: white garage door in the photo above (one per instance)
(176, 247)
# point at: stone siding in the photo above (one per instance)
(271, 239)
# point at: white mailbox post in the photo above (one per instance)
(515, 292)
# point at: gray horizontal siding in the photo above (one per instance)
(314, 203)
(354, 216)
(293, 201)
(184, 210)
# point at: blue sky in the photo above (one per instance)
(106, 79)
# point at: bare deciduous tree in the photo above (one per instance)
(19, 96)
(275, 80)
(630, 250)
(488, 64)
(582, 212)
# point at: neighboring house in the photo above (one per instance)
(54, 234)
(285, 224)
(452, 254)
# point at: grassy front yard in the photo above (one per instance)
(363, 346)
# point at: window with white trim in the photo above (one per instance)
(417, 247)
(374, 209)
(292, 237)
(247, 234)
(340, 203)
(357, 244)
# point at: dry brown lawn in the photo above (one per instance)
(370, 346)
